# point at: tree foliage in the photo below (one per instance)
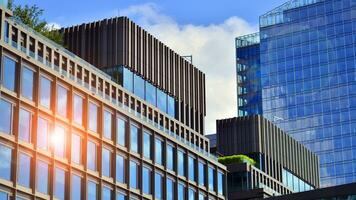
(31, 16)
(236, 159)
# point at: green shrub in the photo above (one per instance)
(236, 159)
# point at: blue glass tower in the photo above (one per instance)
(308, 79)
(249, 94)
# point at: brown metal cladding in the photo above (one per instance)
(255, 134)
(119, 41)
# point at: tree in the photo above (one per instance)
(31, 16)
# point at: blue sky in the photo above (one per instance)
(202, 12)
(205, 29)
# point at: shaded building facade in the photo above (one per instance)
(70, 131)
(283, 165)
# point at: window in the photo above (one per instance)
(201, 196)
(181, 163)
(220, 183)
(191, 194)
(211, 178)
(4, 196)
(106, 163)
(76, 149)
(27, 82)
(139, 87)
(181, 191)
(158, 151)
(151, 94)
(45, 92)
(25, 125)
(120, 131)
(107, 124)
(120, 168)
(169, 157)
(24, 170)
(78, 109)
(62, 101)
(171, 106)
(128, 80)
(158, 186)
(5, 160)
(201, 171)
(42, 133)
(169, 189)
(106, 193)
(9, 68)
(59, 183)
(92, 190)
(6, 119)
(191, 168)
(60, 138)
(91, 156)
(120, 196)
(133, 175)
(146, 145)
(76, 188)
(134, 139)
(162, 100)
(42, 177)
(146, 180)
(93, 117)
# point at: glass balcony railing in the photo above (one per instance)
(82, 83)
(247, 40)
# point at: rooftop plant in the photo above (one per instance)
(236, 159)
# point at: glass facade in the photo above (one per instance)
(76, 149)
(249, 94)
(134, 139)
(307, 80)
(92, 190)
(146, 180)
(107, 123)
(78, 109)
(106, 163)
(120, 168)
(133, 175)
(191, 168)
(9, 68)
(5, 160)
(158, 186)
(7, 113)
(25, 118)
(45, 92)
(170, 189)
(27, 83)
(120, 131)
(42, 178)
(24, 170)
(147, 145)
(59, 183)
(158, 151)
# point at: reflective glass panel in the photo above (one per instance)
(139, 86)
(181, 163)
(211, 178)
(120, 168)
(107, 124)
(45, 92)
(92, 190)
(91, 156)
(146, 145)
(59, 137)
(170, 157)
(59, 184)
(128, 80)
(42, 133)
(201, 171)
(151, 93)
(4, 196)
(146, 180)
(191, 194)
(27, 82)
(93, 117)
(220, 183)
(5, 160)
(9, 68)
(106, 193)
(78, 109)
(25, 125)
(134, 139)
(191, 168)
(76, 149)
(133, 175)
(181, 191)
(171, 106)
(158, 186)
(76, 187)
(106, 162)
(6, 120)
(161, 100)
(24, 170)
(42, 177)
(170, 189)
(120, 131)
(120, 196)
(62, 101)
(158, 151)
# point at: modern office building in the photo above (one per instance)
(248, 71)
(283, 165)
(70, 131)
(341, 192)
(308, 85)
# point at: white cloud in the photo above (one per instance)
(53, 26)
(212, 47)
